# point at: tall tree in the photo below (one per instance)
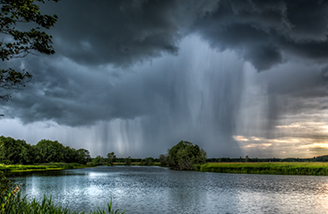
(83, 156)
(17, 43)
(111, 157)
(10, 150)
(51, 151)
(184, 156)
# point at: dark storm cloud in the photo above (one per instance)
(65, 93)
(119, 32)
(125, 32)
(103, 71)
(262, 31)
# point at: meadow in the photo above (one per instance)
(8, 168)
(281, 168)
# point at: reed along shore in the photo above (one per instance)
(289, 168)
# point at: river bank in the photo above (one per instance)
(285, 168)
(12, 168)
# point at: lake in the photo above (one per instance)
(147, 190)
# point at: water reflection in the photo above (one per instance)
(159, 190)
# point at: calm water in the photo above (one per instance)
(159, 190)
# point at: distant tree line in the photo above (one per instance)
(45, 151)
(182, 156)
(111, 158)
(323, 158)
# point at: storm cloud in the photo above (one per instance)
(145, 74)
(126, 32)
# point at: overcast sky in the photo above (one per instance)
(135, 77)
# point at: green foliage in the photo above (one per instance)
(163, 160)
(11, 202)
(83, 156)
(99, 160)
(111, 158)
(50, 151)
(149, 161)
(128, 161)
(96, 160)
(4, 185)
(109, 210)
(285, 168)
(11, 79)
(10, 150)
(14, 203)
(39, 167)
(184, 156)
(46, 151)
(18, 43)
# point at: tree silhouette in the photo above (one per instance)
(16, 43)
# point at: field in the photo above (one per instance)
(288, 168)
(39, 167)
(57, 166)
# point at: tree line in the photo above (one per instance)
(45, 151)
(181, 156)
(323, 158)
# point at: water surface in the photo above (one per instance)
(160, 190)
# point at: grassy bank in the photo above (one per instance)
(59, 166)
(15, 204)
(288, 168)
(39, 167)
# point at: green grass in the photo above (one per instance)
(288, 168)
(17, 205)
(39, 167)
(56, 166)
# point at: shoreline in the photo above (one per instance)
(20, 168)
(273, 168)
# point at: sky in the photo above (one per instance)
(136, 77)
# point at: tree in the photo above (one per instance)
(83, 156)
(163, 160)
(10, 150)
(26, 155)
(184, 156)
(149, 161)
(96, 160)
(17, 43)
(51, 151)
(128, 161)
(111, 157)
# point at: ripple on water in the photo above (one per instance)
(159, 190)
